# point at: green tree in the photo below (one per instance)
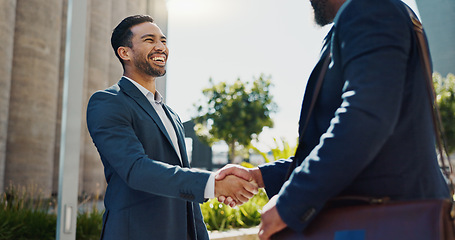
(235, 113)
(445, 97)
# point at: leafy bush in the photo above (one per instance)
(445, 97)
(24, 215)
(89, 224)
(218, 216)
(278, 152)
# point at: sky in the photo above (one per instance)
(230, 39)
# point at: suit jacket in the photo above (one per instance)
(149, 194)
(371, 131)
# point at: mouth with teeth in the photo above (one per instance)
(159, 60)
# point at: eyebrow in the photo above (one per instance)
(152, 36)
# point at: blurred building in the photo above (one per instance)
(438, 18)
(32, 33)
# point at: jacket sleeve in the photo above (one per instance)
(274, 174)
(370, 45)
(110, 124)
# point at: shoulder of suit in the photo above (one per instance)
(111, 94)
(370, 8)
(112, 90)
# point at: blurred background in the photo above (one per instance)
(224, 40)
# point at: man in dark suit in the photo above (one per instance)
(152, 193)
(370, 133)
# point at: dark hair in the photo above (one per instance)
(121, 35)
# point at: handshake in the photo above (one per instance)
(235, 185)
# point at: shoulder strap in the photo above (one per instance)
(317, 89)
(437, 122)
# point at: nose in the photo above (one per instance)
(160, 46)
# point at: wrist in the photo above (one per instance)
(257, 177)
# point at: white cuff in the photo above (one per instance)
(209, 191)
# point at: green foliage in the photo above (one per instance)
(278, 152)
(234, 113)
(26, 218)
(445, 97)
(27, 224)
(218, 216)
(24, 215)
(89, 224)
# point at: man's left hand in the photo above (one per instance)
(271, 221)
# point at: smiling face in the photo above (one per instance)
(149, 52)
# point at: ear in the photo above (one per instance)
(124, 53)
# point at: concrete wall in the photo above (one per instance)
(33, 34)
(7, 22)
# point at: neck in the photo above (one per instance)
(146, 81)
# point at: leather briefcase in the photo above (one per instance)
(401, 220)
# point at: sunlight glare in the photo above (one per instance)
(192, 7)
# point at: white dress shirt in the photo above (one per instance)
(156, 100)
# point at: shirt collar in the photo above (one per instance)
(157, 97)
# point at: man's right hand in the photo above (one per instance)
(247, 174)
(236, 188)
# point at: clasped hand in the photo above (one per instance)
(235, 185)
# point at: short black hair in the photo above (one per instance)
(121, 35)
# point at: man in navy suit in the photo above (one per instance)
(370, 133)
(152, 193)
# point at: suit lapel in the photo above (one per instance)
(129, 89)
